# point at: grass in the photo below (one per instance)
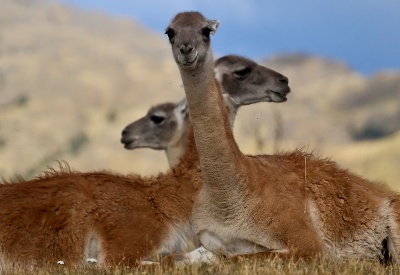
(256, 266)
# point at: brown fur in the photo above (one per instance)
(53, 217)
(85, 211)
(291, 203)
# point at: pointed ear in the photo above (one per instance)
(213, 25)
(183, 107)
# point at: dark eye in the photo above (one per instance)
(157, 119)
(206, 32)
(171, 34)
(242, 73)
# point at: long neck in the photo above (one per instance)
(231, 107)
(174, 154)
(177, 149)
(217, 149)
(189, 161)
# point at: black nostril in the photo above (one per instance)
(124, 132)
(186, 49)
(284, 80)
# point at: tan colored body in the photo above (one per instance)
(112, 219)
(290, 203)
(107, 218)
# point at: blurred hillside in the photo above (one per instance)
(71, 80)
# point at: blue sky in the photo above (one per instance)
(365, 34)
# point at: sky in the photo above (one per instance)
(365, 34)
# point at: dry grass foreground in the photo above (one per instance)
(268, 266)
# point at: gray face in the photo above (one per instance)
(157, 129)
(243, 80)
(189, 35)
(246, 82)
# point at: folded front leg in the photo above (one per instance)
(199, 255)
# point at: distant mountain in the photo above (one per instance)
(71, 80)
(365, 107)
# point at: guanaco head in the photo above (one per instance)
(247, 82)
(189, 36)
(243, 82)
(161, 128)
